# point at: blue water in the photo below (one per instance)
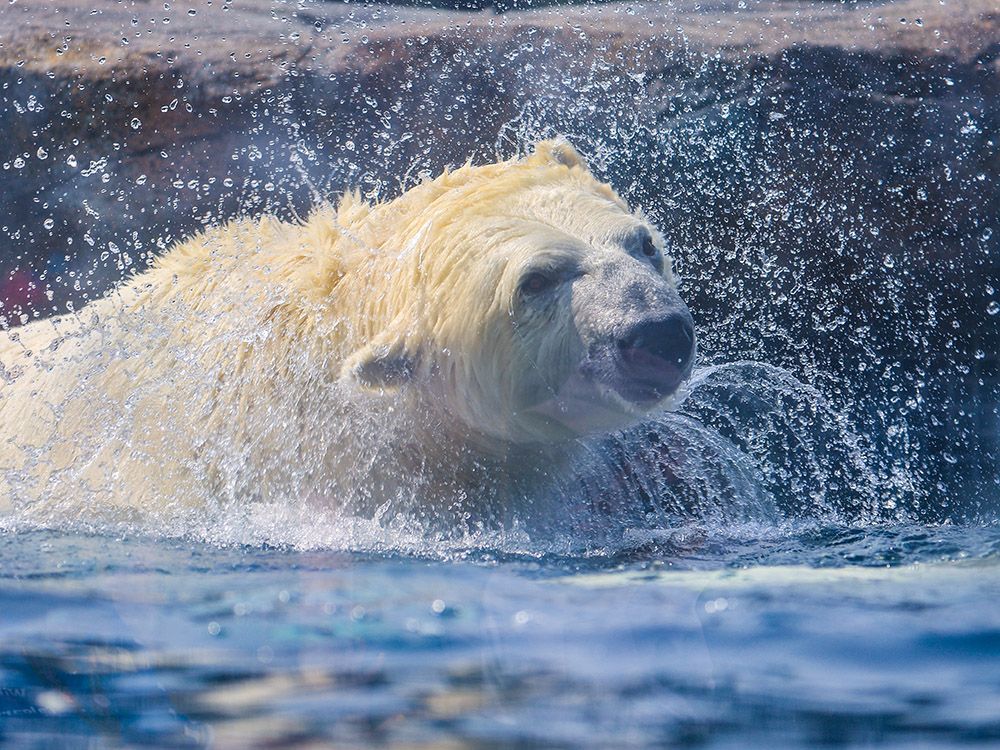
(788, 636)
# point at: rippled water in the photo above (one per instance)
(882, 636)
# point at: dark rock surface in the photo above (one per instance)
(827, 172)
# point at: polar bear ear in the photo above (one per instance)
(557, 151)
(380, 366)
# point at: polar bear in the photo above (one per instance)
(452, 346)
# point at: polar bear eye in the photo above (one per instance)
(648, 248)
(537, 282)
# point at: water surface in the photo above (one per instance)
(881, 636)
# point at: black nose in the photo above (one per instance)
(658, 352)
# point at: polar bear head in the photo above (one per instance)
(528, 302)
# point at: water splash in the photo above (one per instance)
(751, 450)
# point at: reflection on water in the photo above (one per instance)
(682, 644)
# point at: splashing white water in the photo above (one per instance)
(668, 480)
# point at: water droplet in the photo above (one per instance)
(993, 307)
(136, 123)
(48, 223)
(71, 161)
(42, 153)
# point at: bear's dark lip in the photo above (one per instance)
(645, 381)
(647, 393)
(643, 389)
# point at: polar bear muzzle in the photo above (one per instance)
(656, 356)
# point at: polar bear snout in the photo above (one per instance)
(656, 355)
